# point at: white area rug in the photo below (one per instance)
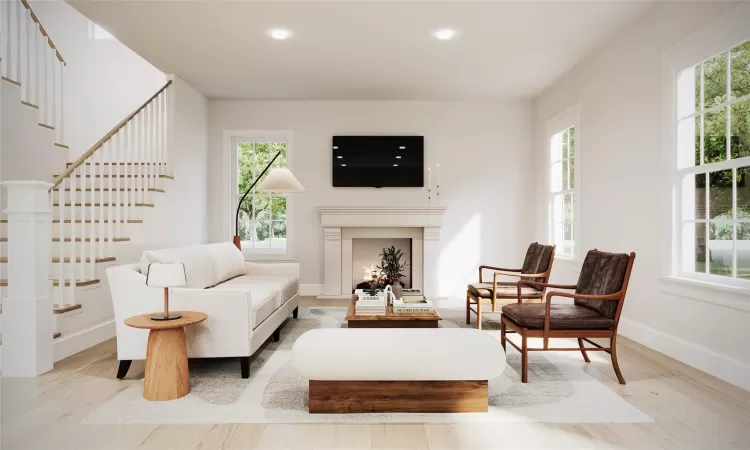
(559, 390)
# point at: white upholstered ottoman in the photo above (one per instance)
(398, 369)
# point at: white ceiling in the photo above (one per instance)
(363, 50)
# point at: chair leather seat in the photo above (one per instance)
(504, 290)
(562, 317)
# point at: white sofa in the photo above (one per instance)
(246, 303)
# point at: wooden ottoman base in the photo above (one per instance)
(397, 396)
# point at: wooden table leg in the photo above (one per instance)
(167, 375)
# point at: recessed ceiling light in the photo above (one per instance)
(402, 147)
(343, 165)
(398, 157)
(280, 34)
(445, 34)
(395, 165)
(339, 157)
(335, 148)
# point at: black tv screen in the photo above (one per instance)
(378, 161)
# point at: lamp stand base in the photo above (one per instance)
(168, 317)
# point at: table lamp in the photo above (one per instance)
(166, 275)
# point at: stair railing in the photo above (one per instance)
(99, 194)
(32, 61)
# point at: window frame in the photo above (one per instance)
(231, 139)
(718, 37)
(569, 118)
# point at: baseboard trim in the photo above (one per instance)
(73, 343)
(310, 289)
(721, 366)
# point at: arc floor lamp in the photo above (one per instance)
(280, 180)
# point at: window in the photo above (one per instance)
(263, 216)
(564, 143)
(713, 165)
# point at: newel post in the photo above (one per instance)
(27, 319)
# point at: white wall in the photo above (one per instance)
(624, 196)
(179, 216)
(483, 150)
(104, 80)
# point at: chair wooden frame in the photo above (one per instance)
(499, 271)
(581, 335)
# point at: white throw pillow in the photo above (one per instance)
(227, 259)
(199, 267)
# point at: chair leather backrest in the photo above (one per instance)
(538, 259)
(601, 274)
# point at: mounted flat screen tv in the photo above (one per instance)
(378, 161)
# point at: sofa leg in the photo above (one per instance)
(123, 369)
(276, 335)
(295, 313)
(245, 366)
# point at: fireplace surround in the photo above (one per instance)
(342, 224)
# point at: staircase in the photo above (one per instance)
(98, 200)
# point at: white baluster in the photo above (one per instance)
(73, 263)
(82, 229)
(141, 157)
(45, 103)
(39, 56)
(19, 20)
(9, 40)
(167, 117)
(23, 54)
(61, 240)
(110, 184)
(149, 143)
(61, 123)
(102, 232)
(31, 59)
(53, 73)
(127, 132)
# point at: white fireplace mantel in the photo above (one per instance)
(337, 245)
(381, 216)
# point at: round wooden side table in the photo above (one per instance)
(167, 375)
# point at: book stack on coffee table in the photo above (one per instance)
(370, 305)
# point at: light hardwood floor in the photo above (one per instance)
(690, 409)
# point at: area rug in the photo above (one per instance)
(559, 390)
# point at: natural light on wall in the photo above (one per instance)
(96, 32)
(713, 163)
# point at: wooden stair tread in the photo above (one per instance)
(100, 221)
(57, 144)
(55, 335)
(113, 190)
(119, 239)
(148, 205)
(56, 260)
(56, 283)
(121, 164)
(11, 81)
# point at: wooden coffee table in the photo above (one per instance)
(167, 375)
(391, 319)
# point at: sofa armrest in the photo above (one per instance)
(283, 269)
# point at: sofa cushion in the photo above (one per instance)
(227, 259)
(286, 286)
(562, 317)
(199, 267)
(263, 299)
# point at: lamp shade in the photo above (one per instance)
(166, 275)
(281, 180)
